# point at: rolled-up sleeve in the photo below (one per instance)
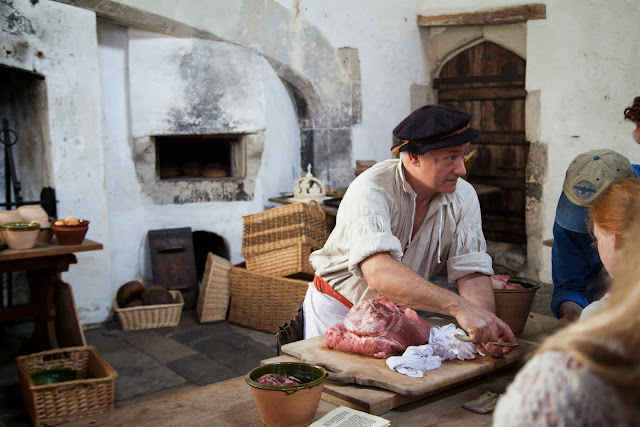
(468, 249)
(370, 235)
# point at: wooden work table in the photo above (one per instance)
(43, 264)
(230, 402)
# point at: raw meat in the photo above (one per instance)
(499, 282)
(378, 328)
(277, 379)
(502, 282)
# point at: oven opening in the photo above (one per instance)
(190, 157)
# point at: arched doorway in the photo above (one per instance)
(488, 81)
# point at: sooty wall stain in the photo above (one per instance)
(206, 82)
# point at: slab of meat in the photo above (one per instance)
(502, 282)
(378, 328)
(277, 379)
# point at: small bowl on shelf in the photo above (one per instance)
(20, 235)
(70, 234)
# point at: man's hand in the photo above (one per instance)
(477, 289)
(483, 326)
(569, 312)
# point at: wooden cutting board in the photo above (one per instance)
(368, 371)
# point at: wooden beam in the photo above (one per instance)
(504, 15)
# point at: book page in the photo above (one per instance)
(347, 417)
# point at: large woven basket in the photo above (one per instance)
(263, 302)
(150, 316)
(51, 404)
(213, 300)
(284, 261)
(284, 226)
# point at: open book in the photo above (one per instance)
(347, 417)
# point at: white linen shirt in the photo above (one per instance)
(376, 215)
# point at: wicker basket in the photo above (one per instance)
(284, 261)
(284, 226)
(91, 394)
(150, 316)
(213, 300)
(263, 302)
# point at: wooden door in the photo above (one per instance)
(487, 81)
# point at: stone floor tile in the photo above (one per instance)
(139, 374)
(104, 340)
(161, 348)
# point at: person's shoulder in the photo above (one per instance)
(464, 187)
(464, 193)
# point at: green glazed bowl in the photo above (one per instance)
(309, 375)
(53, 375)
(20, 226)
(526, 282)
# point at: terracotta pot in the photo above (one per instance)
(71, 234)
(514, 305)
(288, 405)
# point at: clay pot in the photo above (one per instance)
(514, 305)
(71, 234)
(288, 405)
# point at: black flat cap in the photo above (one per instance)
(432, 127)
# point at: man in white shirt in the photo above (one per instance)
(399, 223)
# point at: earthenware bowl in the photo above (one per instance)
(514, 305)
(288, 405)
(20, 235)
(71, 234)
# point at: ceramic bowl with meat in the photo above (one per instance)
(287, 393)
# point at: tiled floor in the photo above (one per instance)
(150, 363)
(156, 362)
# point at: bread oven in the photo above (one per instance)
(198, 157)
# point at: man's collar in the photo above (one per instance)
(439, 198)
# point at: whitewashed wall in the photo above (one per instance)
(582, 61)
(128, 115)
(582, 64)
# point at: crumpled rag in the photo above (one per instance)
(442, 345)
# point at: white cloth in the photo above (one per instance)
(321, 312)
(442, 345)
(376, 215)
(554, 389)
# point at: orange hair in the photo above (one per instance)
(613, 209)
